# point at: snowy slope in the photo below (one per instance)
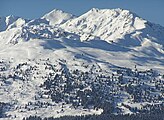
(118, 32)
(114, 25)
(57, 17)
(108, 24)
(11, 22)
(39, 57)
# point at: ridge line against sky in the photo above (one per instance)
(151, 10)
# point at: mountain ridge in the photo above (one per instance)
(149, 38)
(104, 61)
(56, 17)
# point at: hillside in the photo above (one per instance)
(57, 17)
(104, 61)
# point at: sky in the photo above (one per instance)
(151, 10)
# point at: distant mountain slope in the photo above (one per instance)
(104, 61)
(115, 25)
(11, 22)
(57, 17)
(110, 30)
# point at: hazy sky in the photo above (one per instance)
(152, 10)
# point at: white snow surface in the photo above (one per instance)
(11, 22)
(107, 37)
(57, 17)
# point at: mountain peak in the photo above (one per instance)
(56, 10)
(108, 24)
(56, 17)
(9, 22)
(111, 13)
(56, 65)
(118, 10)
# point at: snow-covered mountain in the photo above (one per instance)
(114, 25)
(58, 64)
(57, 17)
(11, 22)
